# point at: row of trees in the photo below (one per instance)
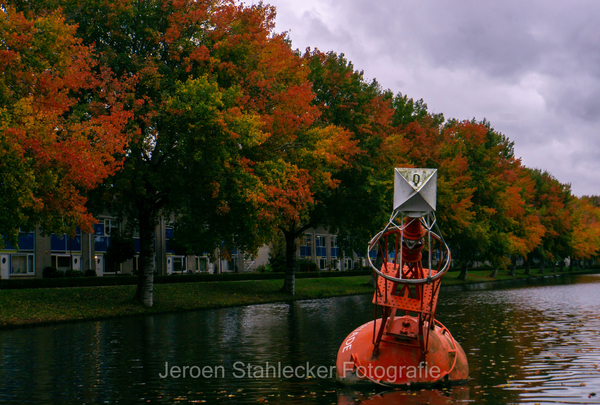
(198, 109)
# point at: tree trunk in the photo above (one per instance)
(513, 266)
(541, 267)
(494, 272)
(528, 266)
(561, 266)
(553, 266)
(218, 270)
(463, 272)
(145, 287)
(289, 284)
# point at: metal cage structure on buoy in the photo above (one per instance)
(406, 345)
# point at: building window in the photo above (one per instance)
(347, 264)
(61, 262)
(202, 263)
(306, 246)
(179, 264)
(321, 245)
(322, 264)
(21, 264)
(112, 268)
(334, 246)
(111, 226)
(26, 241)
(65, 243)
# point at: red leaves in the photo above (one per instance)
(199, 54)
(69, 145)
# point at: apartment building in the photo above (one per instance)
(85, 251)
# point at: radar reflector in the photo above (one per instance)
(415, 191)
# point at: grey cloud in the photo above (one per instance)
(532, 67)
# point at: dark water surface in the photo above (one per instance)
(524, 345)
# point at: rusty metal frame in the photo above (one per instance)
(398, 272)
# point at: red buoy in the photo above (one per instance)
(405, 345)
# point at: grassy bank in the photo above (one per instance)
(22, 307)
(33, 306)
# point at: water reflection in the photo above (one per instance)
(440, 396)
(524, 345)
(537, 345)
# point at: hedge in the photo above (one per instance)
(174, 278)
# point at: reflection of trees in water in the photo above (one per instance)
(519, 343)
(495, 329)
(525, 339)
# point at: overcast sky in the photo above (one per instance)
(531, 68)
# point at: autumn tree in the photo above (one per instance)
(294, 185)
(585, 216)
(521, 218)
(62, 124)
(360, 205)
(491, 169)
(429, 144)
(551, 200)
(223, 140)
(291, 156)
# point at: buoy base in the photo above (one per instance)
(399, 361)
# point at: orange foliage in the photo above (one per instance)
(428, 145)
(586, 228)
(63, 118)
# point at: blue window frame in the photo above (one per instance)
(334, 247)
(320, 246)
(306, 246)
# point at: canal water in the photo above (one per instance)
(532, 344)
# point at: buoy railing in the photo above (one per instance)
(392, 228)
